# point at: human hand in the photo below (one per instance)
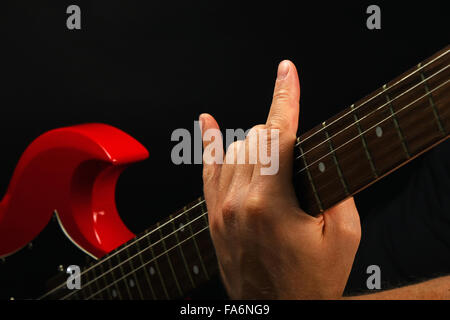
(267, 247)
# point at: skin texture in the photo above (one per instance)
(267, 247)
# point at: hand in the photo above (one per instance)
(267, 247)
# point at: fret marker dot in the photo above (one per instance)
(379, 132)
(181, 227)
(321, 167)
(131, 282)
(152, 271)
(195, 269)
(114, 293)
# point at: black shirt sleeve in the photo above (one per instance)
(406, 224)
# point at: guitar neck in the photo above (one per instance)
(374, 136)
(333, 161)
(166, 261)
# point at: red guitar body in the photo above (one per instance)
(71, 171)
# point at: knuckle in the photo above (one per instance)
(275, 124)
(259, 127)
(208, 174)
(229, 209)
(281, 95)
(236, 145)
(233, 145)
(356, 234)
(254, 205)
(232, 152)
(349, 231)
(256, 129)
(266, 131)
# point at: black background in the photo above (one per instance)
(149, 67)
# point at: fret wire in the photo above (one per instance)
(119, 294)
(80, 293)
(170, 262)
(146, 235)
(108, 292)
(373, 111)
(95, 282)
(350, 140)
(157, 267)
(378, 177)
(363, 139)
(298, 140)
(124, 280)
(138, 247)
(402, 109)
(182, 254)
(397, 126)
(338, 167)
(87, 288)
(411, 103)
(160, 240)
(305, 165)
(203, 203)
(316, 195)
(433, 106)
(130, 261)
(375, 96)
(195, 241)
(160, 255)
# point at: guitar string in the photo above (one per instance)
(357, 136)
(404, 108)
(344, 157)
(182, 213)
(174, 218)
(145, 249)
(173, 247)
(371, 98)
(143, 265)
(129, 244)
(370, 113)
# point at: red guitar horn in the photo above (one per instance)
(72, 171)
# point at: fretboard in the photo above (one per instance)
(333, 161)
(374, 136)
(167, 261)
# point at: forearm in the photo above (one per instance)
(435, 289)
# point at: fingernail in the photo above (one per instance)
(283, 70)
